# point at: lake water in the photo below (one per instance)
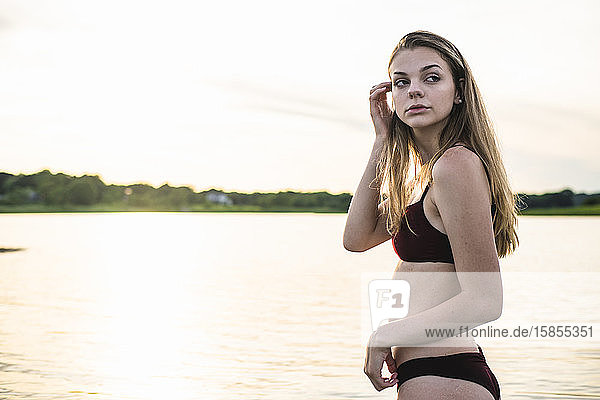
(253, 306)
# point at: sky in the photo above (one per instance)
(273, 95)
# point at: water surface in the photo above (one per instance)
(259, 306)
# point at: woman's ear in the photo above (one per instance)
(460, 90)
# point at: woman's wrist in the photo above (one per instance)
(375, 339)
(380, 138)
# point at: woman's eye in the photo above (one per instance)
(437, 78)
(399, 81)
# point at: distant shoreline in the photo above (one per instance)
(45, 192)
(588, 210)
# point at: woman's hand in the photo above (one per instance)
(374, 360)
(381, 114)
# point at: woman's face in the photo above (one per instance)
(421, 76)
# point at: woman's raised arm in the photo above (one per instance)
(363, 227)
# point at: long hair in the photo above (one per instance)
(468, 123)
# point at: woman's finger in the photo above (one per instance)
(388, 382)
(380, 383)
(373, 371)
(377, 89)
(391, 363)
(377, 92)
(382, 84)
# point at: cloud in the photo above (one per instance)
(296, 101)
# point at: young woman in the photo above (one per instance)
(464, 220)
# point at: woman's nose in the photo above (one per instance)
(414, 91)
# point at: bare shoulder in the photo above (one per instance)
(455, 159)
(459, 169)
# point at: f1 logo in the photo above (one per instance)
(388, 300)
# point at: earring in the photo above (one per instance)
(460, 100)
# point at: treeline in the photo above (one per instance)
(44, 190)
(65, 192)
(564, 198)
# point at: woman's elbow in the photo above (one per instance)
(494, 307)
(489, 308)
(350, 246)
(352, 243)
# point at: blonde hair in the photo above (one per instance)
(469, 123)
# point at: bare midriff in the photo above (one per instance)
(429, 289)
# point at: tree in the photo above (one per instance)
(81, 192)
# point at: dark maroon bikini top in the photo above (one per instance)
(431, 245)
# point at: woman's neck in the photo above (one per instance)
(427, 147)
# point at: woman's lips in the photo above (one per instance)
(416, 110)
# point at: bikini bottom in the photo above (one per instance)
(467, 366)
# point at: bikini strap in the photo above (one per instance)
(463, 145)
(424, 191)
(481, 352)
